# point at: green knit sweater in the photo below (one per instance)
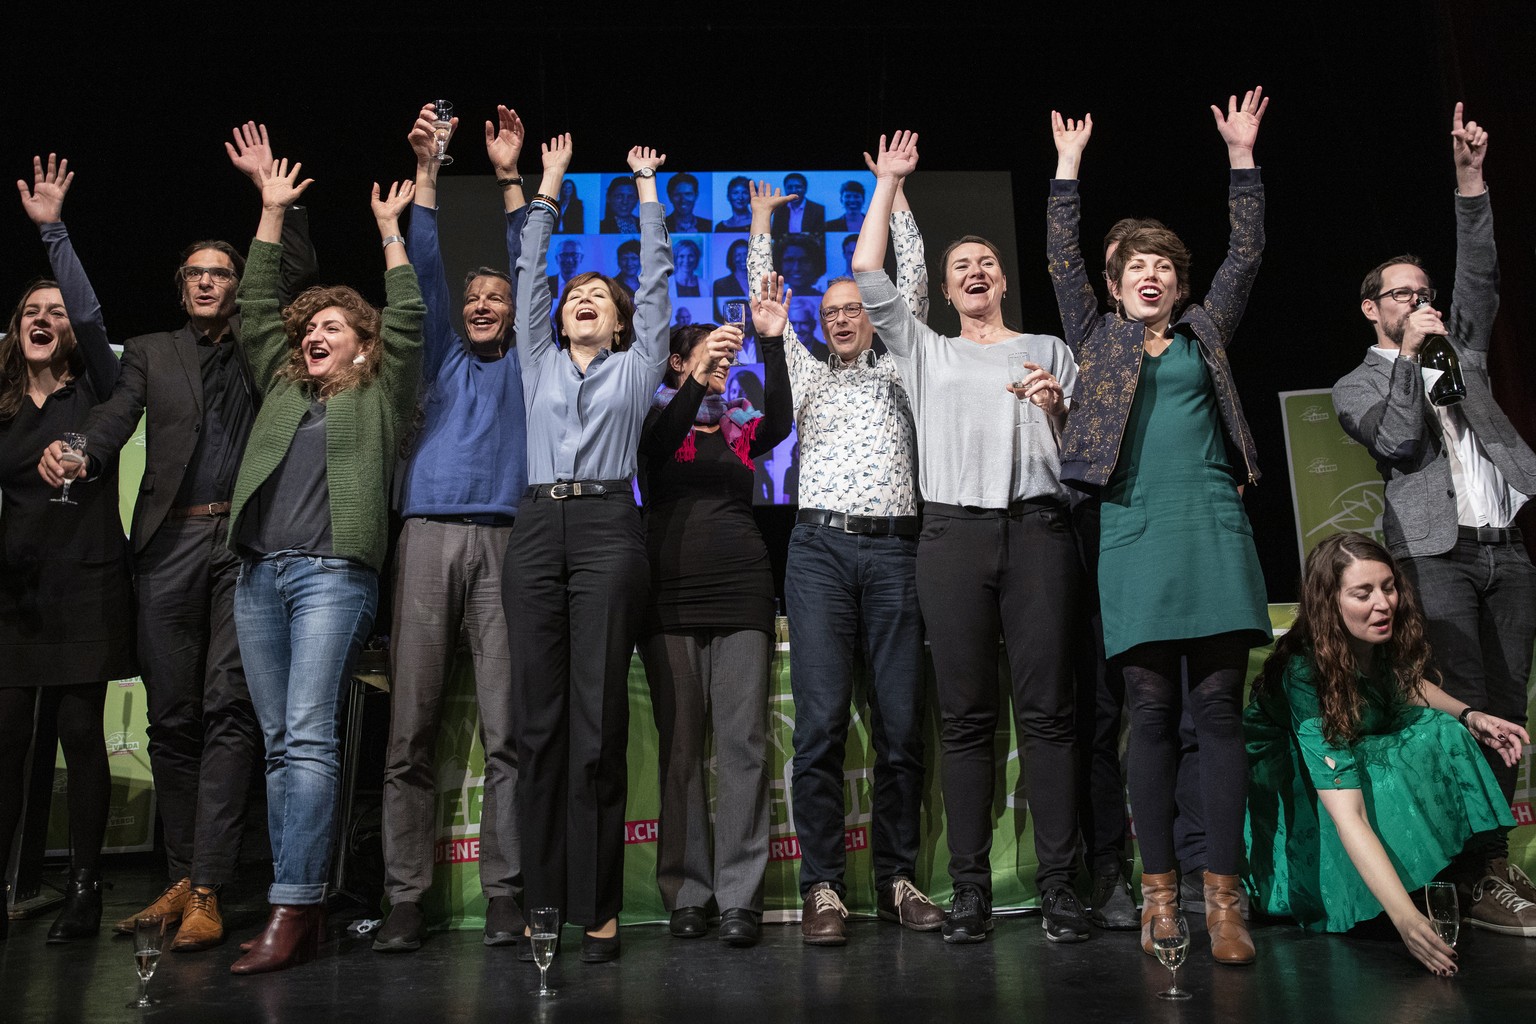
(361, 424)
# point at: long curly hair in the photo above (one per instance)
(1319, 635)
(362, 317)
(13, 365)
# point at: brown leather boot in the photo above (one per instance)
(202, 927)
(292, 938)
(1159, 898)
(1230, 941)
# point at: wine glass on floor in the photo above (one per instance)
(148, 941)
(74, 452)
(544, 935)
(1444, 911)
(1170, 941)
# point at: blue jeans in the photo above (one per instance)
(840, 588)
(301, 621)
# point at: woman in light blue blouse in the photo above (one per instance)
(576, 578)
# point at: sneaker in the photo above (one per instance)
(824, 921)
(401, 931)
(1512, 874)
(1498, 906)
(504, 924)
(1062, 916)
(970, 915)
(904, 903)
(1112, 905)
(1192, 895)
(170, 905)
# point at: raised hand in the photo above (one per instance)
(1469, 144)
(280, 185)
(644, 156)
(770, 306)
(44, 202)
(720, 346)
(251, 150)
(556, 153)
(1239, 128)
(765, 198)
(1071, 138)
(504, 141)
(423, 136)
(896, 160)
(388, 207)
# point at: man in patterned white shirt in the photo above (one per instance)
(852, 575)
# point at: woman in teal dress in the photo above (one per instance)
(1157, 432)
(1343, 717)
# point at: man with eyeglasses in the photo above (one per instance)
(850, 582)
(204, 741)
(1455, 477)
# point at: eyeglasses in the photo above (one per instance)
(852, 311)
(1408, 294)
(220, 275)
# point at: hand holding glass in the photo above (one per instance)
(443, 129)
(736, 316)
(544, 936)
(1444, 912)
(1170, 941)
(73, 453)
(148, 940)
(1018, 371)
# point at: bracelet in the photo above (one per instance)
(509, 182)
(1462, 718)
(548, 199)
(391, 239)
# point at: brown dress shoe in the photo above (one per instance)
(824, 920)
(201, 925)
(292, 938)
(904, 903)
(1159, 898)
(169, 905)
(1230, 941)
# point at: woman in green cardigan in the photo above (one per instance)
(310, 520)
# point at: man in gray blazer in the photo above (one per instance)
(1455, 475)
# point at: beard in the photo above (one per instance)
(1395, 329)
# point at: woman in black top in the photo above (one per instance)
(706, 645)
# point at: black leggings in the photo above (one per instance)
(1217, 665)
(77, 710)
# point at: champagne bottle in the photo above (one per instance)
(1437, 354)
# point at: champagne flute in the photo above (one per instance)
(442, 128)
(544, 936)
(736, 316)
(1017, 372)
(74, 452)
(1444, 911)
(1170, 941)
(148, 940)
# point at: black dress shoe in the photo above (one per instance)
(970, 915)
(688, 922)
(595, 950)
(402, 929)
(504, 923)
(81, 916)
(739, 927)
(1062, 916)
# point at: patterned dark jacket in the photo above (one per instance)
(1109, 348)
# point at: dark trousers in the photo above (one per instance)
(76, 713)
(838, 587)
(1154, 682)
(204, 741)
(575, 584)
(1479, 603)
(981, 573)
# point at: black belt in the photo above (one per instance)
(579, 489)
(872, 526)
(1489, 534)
(484, 519)
(1023, 506)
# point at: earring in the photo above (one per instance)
(359, 359)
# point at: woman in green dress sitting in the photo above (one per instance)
(1343, 717)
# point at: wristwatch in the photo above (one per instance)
(645, 172)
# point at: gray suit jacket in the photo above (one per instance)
(1382, 405)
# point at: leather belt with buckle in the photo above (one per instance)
(578, 489)
(870, 526)
(1490, 534)
(208, 510)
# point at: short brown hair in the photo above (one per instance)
(361, 317)
(1158, 241)
(621, 302)
(1371, 286)
(1125, 226)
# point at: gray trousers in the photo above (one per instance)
(698, 680)
(448, 586)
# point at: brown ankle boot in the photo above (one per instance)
(292, 937)
(1159, 898)
(1230, 941)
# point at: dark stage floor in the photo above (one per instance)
(884, 974)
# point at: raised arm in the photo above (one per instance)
(801, 364)
(504, 144)
(535, 332)
(1075, 298)
(653, 306)
(1239, 129)
(261, 333)
(911, 257)
(892, 163)
(770, 316)
(1475, 296)
(400, 323)
(423, 248)
(250, 152)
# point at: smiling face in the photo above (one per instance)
(629, 262)
(1367, 601)
(330, 343)
(589, 316)
(798, 267)
(973, 280)
(688, 353)
(847, 335)
(737, 257)
(569, 258)
(794, 184)
(487, 310)
(739, 197)
(622, 198)
(853, 201)
(44, 329)
(1148, 288)
(684, 194)
(209, 296)
(685, 259)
